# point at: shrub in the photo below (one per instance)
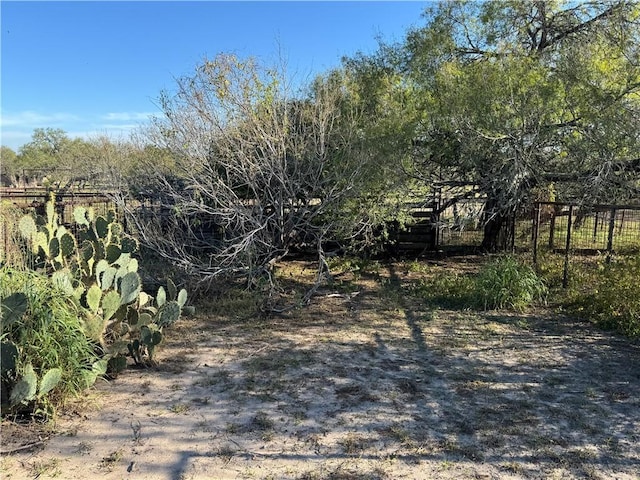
(506, 282)
(46, 356)
(502, 283)
(613, 299)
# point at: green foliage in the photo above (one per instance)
(508, 283)
(511, 97)
(13, 308)
(357, 266)
(606, 294)
(46, 356)
(503, 283)
(97, 273)
(446, 289)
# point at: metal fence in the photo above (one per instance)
(571, 230)
(549, 226)
(605, 229)
(16, 202)
(34, 199)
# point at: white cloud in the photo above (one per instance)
(14, 139)
(29, 118)
(127, 116)
(16, 128)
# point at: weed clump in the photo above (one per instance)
(49, 336)
(612, 300)
(508, 283)
(504, 283)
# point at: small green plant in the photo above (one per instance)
(502, 283)
(508, 283)
(611, 297)
(46, 356)
(446, 289)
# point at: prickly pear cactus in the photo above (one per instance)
(96, 267)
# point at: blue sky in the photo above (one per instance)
(96, 68)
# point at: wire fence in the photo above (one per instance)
(560, 228)
(573, 230)
(16, 202)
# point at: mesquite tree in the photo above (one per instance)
(256, 171)
(520, 98)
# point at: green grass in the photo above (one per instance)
(609, 295)
(50, 334)
(505, 282)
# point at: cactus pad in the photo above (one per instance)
(13, 307)
(94, 326)
(25, 389)
(110, 304)
(54, 247)
(132, 266)
(101, 266)
(112, 253)
(8, 357)
(168, 314)
(67, 245)
(145, 319)
(87, 251)
(161, 297)
(129, 288)
(94, 294)
(63, 280)
(102, 227)
(132, 315)
(27, 226)
(40, 241)
(182, 298)
(143, 299)
(116, 229)
(129, 245)
(80, 216)
(49, 381)
(171, 289)
(108, 278)
(51, 214)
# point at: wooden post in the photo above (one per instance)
(612, 224)
(565, 273)
(536, 227)
(595, 227)
(513, 232)
(552, 227)
(437, 201)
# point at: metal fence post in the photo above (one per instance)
(565, 273)
(612, 224)
(552, 227)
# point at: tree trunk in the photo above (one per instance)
(496, 229)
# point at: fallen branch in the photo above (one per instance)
(28, 446)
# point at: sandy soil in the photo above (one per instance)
(363, 384)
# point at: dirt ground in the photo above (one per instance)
(364, 383)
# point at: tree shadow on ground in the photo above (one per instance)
(519, 393)
(378, 385)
